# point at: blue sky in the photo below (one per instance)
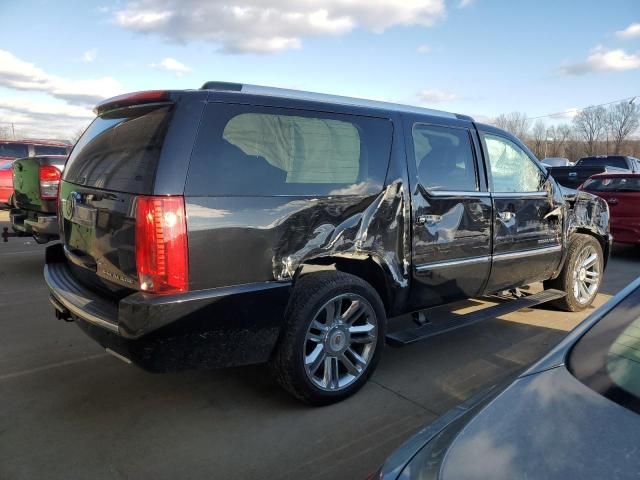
(479, 57)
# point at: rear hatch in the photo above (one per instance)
(114, 162)
(35, 181)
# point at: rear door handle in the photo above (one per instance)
(430, 219)
(613, 201)
(506, 216)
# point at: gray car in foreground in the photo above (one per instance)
(574, 414)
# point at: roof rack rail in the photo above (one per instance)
(326, 98)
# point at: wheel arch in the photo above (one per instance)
(602, 240)
(366, 269)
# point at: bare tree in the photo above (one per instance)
(539, 139)
(76, 135)
(624, 119)
(558, 136)
(516, 123)
(590, 125)
(574, 146)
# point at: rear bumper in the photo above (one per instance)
(35, 223)
(210, 328)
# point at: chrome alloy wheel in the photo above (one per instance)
(586, 275)
(340, 342)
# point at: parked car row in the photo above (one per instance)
(573, 176)
(238, 224)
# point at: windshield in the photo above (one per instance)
(618, 162)
(6, 165)
(120, 150)
(14, 150)
(613, 184)
(607, 357)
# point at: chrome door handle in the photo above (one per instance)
(430, 219)
(506, 216)
(613, 201)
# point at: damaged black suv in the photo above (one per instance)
(239, 224)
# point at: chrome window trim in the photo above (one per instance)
(487, 258)
(456, 193)
(519, 194)
(527, 253)
(452, 263)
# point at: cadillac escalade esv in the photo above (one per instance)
(239, 224)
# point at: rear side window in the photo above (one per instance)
(249, 150)
(14, 150)
(618, 162)
(49, 150)
(444, 158)
(613, 184)
(120, 150)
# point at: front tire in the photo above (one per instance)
(332, 339)
(581, 274)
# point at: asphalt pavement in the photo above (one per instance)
(70, 411)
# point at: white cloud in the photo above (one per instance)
(436, 96)
(569, 113)
(90, 55)
(172, 65)
(257, 27)
(465, 3)
(601, 60)
(424, 49)
(632, 31)
(44, 119)
(21, 75)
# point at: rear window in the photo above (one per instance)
(617, 184)
(14, 150)
(607, 357)
(619, 162)
(444, 158)
(120, 150)
(243, 150)
(49, 150)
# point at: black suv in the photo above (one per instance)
(238, 224)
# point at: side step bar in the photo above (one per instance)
(453, 322)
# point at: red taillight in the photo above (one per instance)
(49, 182)
(162, 257)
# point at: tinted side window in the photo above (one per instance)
(49, 150)
(512, 170)
(251, 150)
(14, 150)
(613, 184)
(444, 158)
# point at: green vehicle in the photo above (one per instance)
(34, 203)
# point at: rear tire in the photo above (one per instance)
(332, 338)
(581, 275)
